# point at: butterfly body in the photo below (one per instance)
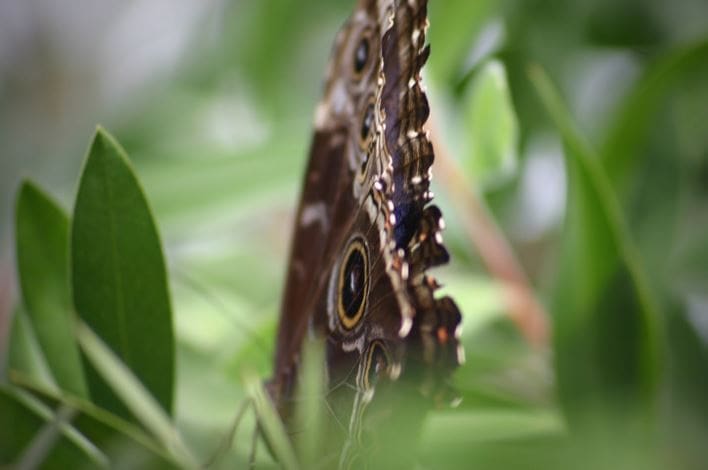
(365, 233)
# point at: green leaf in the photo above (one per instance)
(606, 335)
(621, 148)
(686, 411)
(492, 127)
(25, 354)
(456, 25)
(133, 394)
(118, 274)
(42, 238)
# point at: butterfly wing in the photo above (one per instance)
(365, 232)
(330, 196)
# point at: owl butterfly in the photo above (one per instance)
(365, 234)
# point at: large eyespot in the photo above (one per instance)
(353, 285)
(361, 55)
(377, 362)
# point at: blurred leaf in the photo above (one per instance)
(480, 300)
(270, 424)
(455, 24)
(687, 411)
(621, 148)
(501, 370)
(460, 429)
(42, 237)
(310, 412)
(25, 354)
(21, 421)
(257, 351)
(58, 424)
(492, 127)
(605, 320)
(227, 186)
(133, 394)
(118, 274)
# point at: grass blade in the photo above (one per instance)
(133, 394)
(606, 332)
(270, 424)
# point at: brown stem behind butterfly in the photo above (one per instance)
(525, 310)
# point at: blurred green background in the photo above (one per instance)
(213, 100)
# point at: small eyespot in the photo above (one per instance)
(366, 134)
(353, 284)
(361, 55)
(367, 122)
(377, 362)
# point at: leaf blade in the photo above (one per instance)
(605, 315)
(118, 274)
(492, 127)
(42, 239)
(133, 394)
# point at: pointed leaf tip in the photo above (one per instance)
(118, 273)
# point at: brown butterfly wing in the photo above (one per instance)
(365, 232)
(328, 204)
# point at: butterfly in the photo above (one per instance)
(366, 234)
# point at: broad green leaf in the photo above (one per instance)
(133, 394)
(620, 150)
(118, 274)
(491, 127)
(22, 419)
(25, 354)
(606, 336)
(42, 239)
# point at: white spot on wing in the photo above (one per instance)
(315, 213)
(406, 325)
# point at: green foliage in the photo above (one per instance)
(118, 274)
(621, 150)
(42, 238)
(132, 393)
(120, 287)
(22, 417)
(605, 329)
(166, 362)
(25, 354)
(491, 127)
